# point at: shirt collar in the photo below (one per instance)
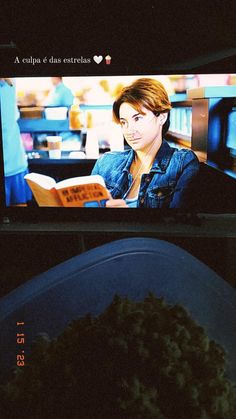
(161, 161)
(131, 155)
(163, 157)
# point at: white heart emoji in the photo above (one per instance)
(98, 58)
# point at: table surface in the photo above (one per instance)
(208, 225)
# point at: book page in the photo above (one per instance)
(80, 180)
(44, 181)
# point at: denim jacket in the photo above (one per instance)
(167, 185)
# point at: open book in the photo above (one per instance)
(83, 191)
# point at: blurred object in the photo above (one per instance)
(72, 144)
(54, 146)
(89, 120)
(33, 155)
(57, 113)
(40, 141)
(116, 138)
(117, 90)
(99, 94)
(27, 98)
(27, 141)
(91, 145)
(60, 95)
(77, 155)
(180, 86)
(75, 117)
(105, 85)
(180, 83)
(99, 117)
(31, 113)
(212, 79)
(232, 79)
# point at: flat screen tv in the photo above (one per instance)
(202, 119)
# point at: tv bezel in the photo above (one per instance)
(95, 215)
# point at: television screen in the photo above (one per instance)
(158, 143)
